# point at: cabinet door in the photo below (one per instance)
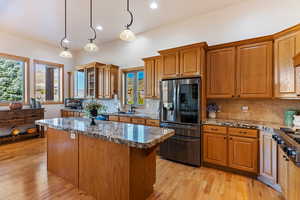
(190, 62)
(221, 73)
(149, 74)
(268, 157)
(293, 182)
(254, 70)
(215, 148)
(243, 153)
(283, 172)
(286, 83)
(62, 154)
(157, 77)
(101, 82)
(170, 65)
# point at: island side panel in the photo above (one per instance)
(104, 168)
(142, 172)
(62, 155)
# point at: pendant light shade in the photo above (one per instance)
(127, 34)
(65, 53)
(91, 46)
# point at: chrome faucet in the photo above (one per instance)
(131, 109)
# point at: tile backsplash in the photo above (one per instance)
(271, 110)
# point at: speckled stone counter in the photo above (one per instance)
(263, 126)
(138, 136)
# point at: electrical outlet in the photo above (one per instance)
(245, 108)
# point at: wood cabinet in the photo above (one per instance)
(134, 120)
(287, 85)
(293, 181)
(215, 148)
(152, 122)
(62, 154)
(69, 113)
(283, 172)
(243, 153)
(185, 61)
(100, 80)
(113, 118)
(221, 73)
(153, 74)
(234, 148)
(254, 70)
(241, 71)
(268, 158)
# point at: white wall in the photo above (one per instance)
(249, 19)
(16, 45)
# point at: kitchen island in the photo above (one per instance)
(112, 160)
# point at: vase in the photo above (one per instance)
(212, 115)
(15, 105)
(93, 115)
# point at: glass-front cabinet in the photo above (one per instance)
(96, 80)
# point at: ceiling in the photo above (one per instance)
(43, 20)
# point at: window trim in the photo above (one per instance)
(123, 74)
(26, 79)
(61, 66)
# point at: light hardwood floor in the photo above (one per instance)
(23, 176)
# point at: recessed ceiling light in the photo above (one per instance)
(153, 5)
(99, 28)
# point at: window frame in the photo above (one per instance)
(26, 79)
(124, 91)
(61, 67)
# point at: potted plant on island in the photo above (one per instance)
(212, 109)
(92, 109)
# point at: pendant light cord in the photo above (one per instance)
(131, 16)
(91, 21)
(62, 40)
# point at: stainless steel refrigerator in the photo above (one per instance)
(180, 109)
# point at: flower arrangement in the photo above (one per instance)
(93, 106)
(212, 108)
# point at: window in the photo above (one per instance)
(13, 78)
(48, 85)
(134, 88)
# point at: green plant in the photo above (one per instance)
(94, 105)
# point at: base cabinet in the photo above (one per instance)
(243, 153)
(232, 148)
(215, 148)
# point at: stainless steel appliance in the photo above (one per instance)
(180, 110)
(73, 103)
(289, 141)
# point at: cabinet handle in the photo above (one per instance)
(224, 138)
(242, 132)
(232, 95)
(298, 95)
(231, 138)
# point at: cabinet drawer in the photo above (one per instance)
(215, 129)
(138, 120)
(113, 118)
(243, 132)
(125, 119)
(152, 122)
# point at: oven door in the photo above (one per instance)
(182, 149)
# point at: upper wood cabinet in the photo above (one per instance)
(101, 80)
(287, 85)
(110, 79)
(153, 73)
(241, 71)
(186, 61)
(221, 73)
(254, 70)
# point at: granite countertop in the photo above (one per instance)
(264, 126)
(73, 110)
(138, 136)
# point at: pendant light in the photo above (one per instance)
(65, 53)
(91, 46)
(127, 34)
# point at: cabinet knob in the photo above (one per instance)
(230, 138)
(232, 96)
(224, 138)
(298, 95)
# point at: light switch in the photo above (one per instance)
(73, 136)
(245, 108)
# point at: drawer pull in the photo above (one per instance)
(242, 132)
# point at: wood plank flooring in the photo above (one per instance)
(23, 176)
